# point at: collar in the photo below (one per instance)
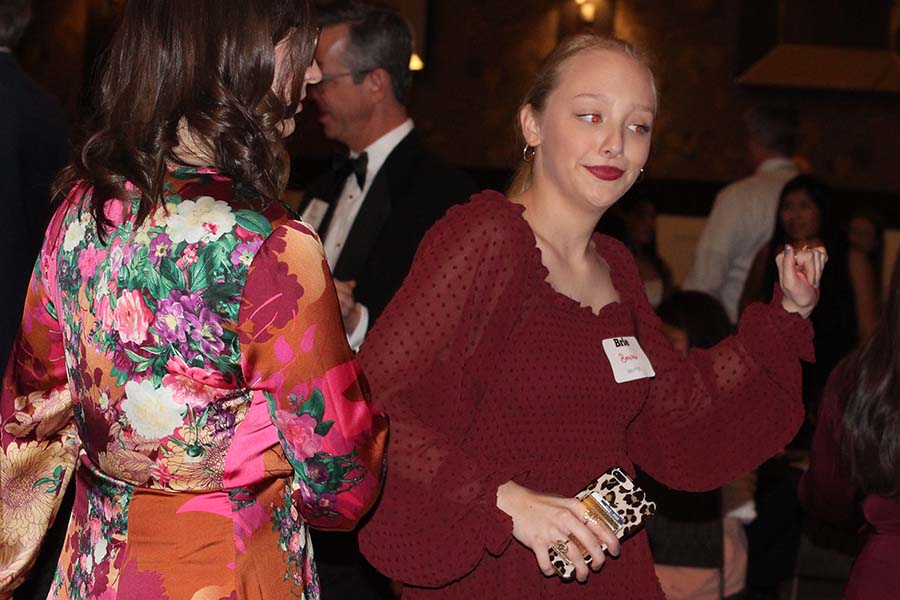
(776, 164)
(381, 148)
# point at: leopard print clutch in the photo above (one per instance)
(614, 500)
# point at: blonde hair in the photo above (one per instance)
(547, 78)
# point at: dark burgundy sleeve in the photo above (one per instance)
(715, 414)
(438, 515)
(825, 490)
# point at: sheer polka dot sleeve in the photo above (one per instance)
(718, 413)
(427, 360)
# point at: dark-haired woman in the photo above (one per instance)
(855, 460)
(639, 216)
(849, 308)
(181, 355)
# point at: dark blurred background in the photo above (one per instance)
(835, 61)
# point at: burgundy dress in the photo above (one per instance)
(826, 491)
(489, 374)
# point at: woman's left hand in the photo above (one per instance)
(800, 273)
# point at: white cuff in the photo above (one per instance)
(356, 337)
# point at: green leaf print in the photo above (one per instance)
(314, 407)
(253, 222)
(171, 274)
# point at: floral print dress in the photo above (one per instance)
(193, 377)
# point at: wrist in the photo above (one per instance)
(506, 495)
(792, 307)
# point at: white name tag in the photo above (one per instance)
(315, 212)
(627, 359)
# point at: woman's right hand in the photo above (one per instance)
(542, 520)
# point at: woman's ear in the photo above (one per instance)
(530, 125)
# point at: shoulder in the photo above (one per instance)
(487, 218)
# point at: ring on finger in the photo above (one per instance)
(590, 517)
(561, 546)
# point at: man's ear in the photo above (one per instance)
(378, 84)
(530, 124)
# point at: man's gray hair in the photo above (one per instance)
(380, 38)
(774, 126)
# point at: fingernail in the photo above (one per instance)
(618, 552)
(787, 248)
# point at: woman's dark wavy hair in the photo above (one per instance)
(870, 442)
(209, 64)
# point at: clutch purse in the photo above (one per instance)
(612, 499)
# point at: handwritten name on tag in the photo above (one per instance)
(627, 359)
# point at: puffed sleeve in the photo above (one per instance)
(438, 515)
(825, 489)
(717, 413)
(38, 444)
(296, 359)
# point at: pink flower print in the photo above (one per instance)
(104, 312)
(243, 234)
(299, 432)
(177, 366)
(88, 260)
(188, 257)
(190, 389)
(294, 542)
(132, 317)
(161, 472)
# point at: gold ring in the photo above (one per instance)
(561, 546)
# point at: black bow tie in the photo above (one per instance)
(342, 166)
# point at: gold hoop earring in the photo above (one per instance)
(526, 155)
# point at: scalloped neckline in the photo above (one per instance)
(542, 273)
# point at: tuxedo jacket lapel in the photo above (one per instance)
(373, 214)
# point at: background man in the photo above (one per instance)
(372, 222)
(743, 215)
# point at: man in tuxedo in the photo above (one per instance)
(373, 208)
(376, 204)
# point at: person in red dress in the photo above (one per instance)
(497, 362)
(854, 474)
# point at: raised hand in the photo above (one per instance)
(800, 273)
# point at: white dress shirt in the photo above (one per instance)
(347, 208)
(741, 221)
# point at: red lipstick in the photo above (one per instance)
(606, 173)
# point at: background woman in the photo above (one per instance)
(638, 217)
(855, 461)
(497, 362)
(181, 350)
